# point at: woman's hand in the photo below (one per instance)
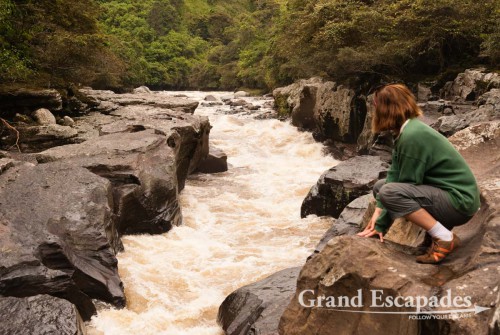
(370, 228)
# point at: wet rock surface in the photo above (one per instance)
(64, 209)
(256, 308)
(58, 236)
(215, 162)
(351, 221)
(342, 184)
(141, 168)
(39, 315)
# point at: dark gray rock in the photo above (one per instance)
(26, 101)
(339, 112)
(382, 147)
(210, 98)
(366, 138)
(215, 162)
(342, 184)
(188, 134)
(257, 308)
(142, 169)
(57, 235)
(39, 315)
(298, 101)
(349, 222)
(333, 111)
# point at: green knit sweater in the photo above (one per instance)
(422, 156)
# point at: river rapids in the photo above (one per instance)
(238, 227)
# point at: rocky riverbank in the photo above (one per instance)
(342, 263)
(64, 208)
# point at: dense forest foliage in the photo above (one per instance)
(216, 44)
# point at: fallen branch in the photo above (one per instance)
(7, 124)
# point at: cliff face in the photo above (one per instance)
(338, 114)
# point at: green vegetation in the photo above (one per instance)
(49, 43)
(216, 44)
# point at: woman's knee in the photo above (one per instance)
(378, 185)
(388, 193)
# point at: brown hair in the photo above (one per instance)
(394, 104)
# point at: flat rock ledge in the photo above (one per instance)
(256, 308)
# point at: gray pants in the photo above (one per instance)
(401, 199)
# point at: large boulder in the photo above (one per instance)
(298, 101)
(342, 184)
(470, 84)
(188, 134)
(215, 162)
(333, 111)
(349, 263)
(57, 235)
(339, 113)
(39, 315)
(141, 167)
(257, 308)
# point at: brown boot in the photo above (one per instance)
(439, 250)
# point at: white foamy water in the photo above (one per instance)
(239, 226)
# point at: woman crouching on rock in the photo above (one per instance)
(429, 183)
